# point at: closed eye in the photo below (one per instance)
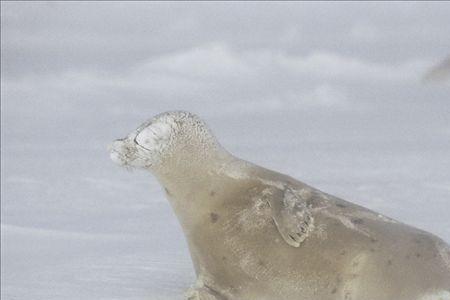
(139, 131)
(138, 144)
(148, 138)
(153, 136)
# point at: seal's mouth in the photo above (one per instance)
(123, 153)
(116, 152)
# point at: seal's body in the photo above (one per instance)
(255, 234)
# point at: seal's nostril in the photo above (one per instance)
(115, 145)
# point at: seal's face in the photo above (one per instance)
(148, 144)
(176, 137)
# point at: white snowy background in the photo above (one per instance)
(329, 93)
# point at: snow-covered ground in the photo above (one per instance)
(354, 121)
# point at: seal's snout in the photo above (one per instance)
(116, 146)
(115, 152)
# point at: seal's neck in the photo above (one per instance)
(191, 169)
(192, 186)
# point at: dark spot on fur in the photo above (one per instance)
(343, 252)
(389, 262)
(348, 296)
(333, 291)
(417, 241)
(373, 240)
(214, 217)
(340, 205)
(418, 255)
(357, 221)
(224, 258)
(261, 263)
(212, 193)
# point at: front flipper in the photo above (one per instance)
(291, 215)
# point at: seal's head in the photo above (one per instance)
(171, 137)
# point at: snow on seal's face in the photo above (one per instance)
(145, 146)
(154, 140)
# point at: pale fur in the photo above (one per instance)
(347, 253)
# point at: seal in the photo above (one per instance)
(255, 234)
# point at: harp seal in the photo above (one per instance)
(255, 234)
